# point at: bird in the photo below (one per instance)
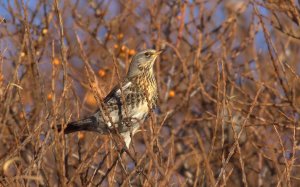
(128, 104)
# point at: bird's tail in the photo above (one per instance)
(87, 124)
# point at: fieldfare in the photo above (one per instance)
(128, 104)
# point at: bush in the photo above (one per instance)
(229, 102)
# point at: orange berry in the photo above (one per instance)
(90, 99)
(122, 54)
(171, 93)
(131, 52)
(116, 46)
(109, 36)
(44, 31)
(123, 48)
(120, 36)
(22, 54)
(99, 13)
(49, 96)
(56, 61)
(101, 72)
(21, 115)
(80, 135)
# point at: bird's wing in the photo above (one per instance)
(128, 93)
(123, 105)
(114, 101)
(117, 91)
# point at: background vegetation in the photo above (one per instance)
(229, 94)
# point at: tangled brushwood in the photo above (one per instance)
(228, 106)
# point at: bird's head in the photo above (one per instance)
(142, 62)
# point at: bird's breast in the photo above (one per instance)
(140, 112)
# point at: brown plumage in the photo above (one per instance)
(128, 104)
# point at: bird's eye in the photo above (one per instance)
(147, 54)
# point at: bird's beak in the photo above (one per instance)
(159, 52)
